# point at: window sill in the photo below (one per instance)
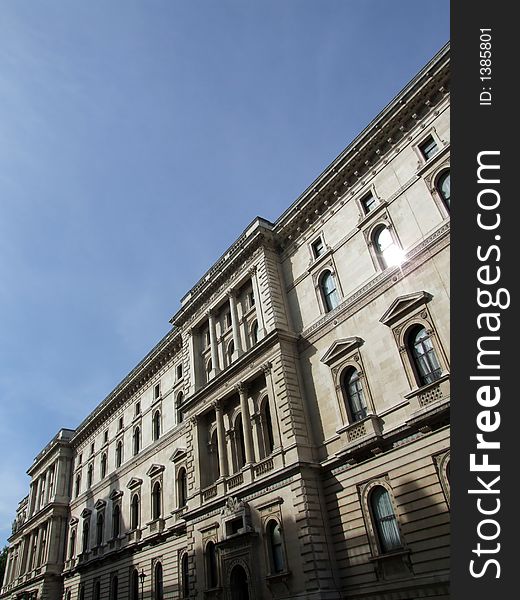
(362, 432)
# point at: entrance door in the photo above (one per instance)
(239, 585)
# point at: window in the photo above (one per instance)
(250, 299)
(156, 500)
(179, 404)
(158, 582)
(90, 473)
(86, 534)
(214, 465)
(266, 424)
(254, 333)
(137, 440)
(329, 292)
(116, 521)
(156, 425)
(275, 542)
(206, 337)
(209, 368)
(105, 437)
(356, 405)
(114, 588)
(185, 576)
(229, 353)
(182, 487)
(424, 359)
(388, 252)
(103, 465)
(81, 591)
(97, 591)
(72, 544)
(100, 524)
(120, 424)
(138, 408)
(318, 247)
(443, 188)
(179, 371)
(77, 486)
(157, 391)
(119, 454)
(227, 320)
(368, 203)
(51, 481)
(384, 520)
(134, 585)
(134, 512)
(240, 453)
(80, 459)
(428, 148)
(211, 566)
(92, 449)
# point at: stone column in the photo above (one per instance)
(221, 440)
(215, 367)
(237, 342)
(246, 423)
(258, 302)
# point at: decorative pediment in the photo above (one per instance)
(403, 305)
(115, 494)
(73, 521)
(86, 512)
(134, 482)
(178, 454)
(100, 504)
(155, 470)
(340, 348)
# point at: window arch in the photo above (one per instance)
(119, 454)
(182, 487)
(158, 582)
(103, 465)
(388, 252)
(157, 425)
(137, 440)
(329, 293)
(185, 576)
(443, 188)
(424, 359)
(116, 521)
(275, 546)
(114, 588)
(354, 396)
(156, 500)
(211, 565)
(86, 535)
(134, 512)
(384, 520)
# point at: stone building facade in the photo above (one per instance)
(289, 436)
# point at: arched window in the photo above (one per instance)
(114, 588)
(209, 367)
(134, 512)
(384, 519)
(78, 486)
(72, 544)
(137, 440)
(267, 427)
(156, 500)
(240, 453)
(443, 187)
(353, 391)
(254, 333)
(100, 523)
(97, 591)
(156, 425)
(86, 535)
(116, 521)
(158, 582)
(329, 291)
(185, 577)
(180, 398)
(214, 464)
(90, 473)
(388, 252)
(182, 487)
(119, 454)
(275, 541)
(229, 353)
(81, 595)
(239, 584)
(134, 585)
(211, 566)
(103, 465)
(424, 359)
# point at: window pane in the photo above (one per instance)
(356, 400)
(443, 186)
(385, 521)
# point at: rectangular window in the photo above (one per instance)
(428, 148)
(105, 437)
(179, 371)
(157, 391)
(92, 448)
(318, 248)
(227, 320)
(120, 426)
(368, 203)
(137, 408)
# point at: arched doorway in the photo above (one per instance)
(238, 584)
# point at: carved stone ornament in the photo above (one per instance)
(232, 506)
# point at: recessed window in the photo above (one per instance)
(134, 512)
(368, 203)
(424, 359)
(385, 521)
(388, 252)
(274, 536)
(103, 465)
(329, 291)
(105, 437)
(443, 187)
(206, 338)
(211, 566)
(121, 423)
(92, 448)
(157, 391)
(119, 453)
(227, 319)
(353, 391)
(137, 440)
(116, 521)
(156, 425)
(137, 408)
(80, 459)
(156, 500)
(428, 148)
(90, 473)
(179, 371)
(318, 248)
(250, 299)
(100, 525)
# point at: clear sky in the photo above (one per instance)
(137, 140)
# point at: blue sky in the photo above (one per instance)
(138, 139)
